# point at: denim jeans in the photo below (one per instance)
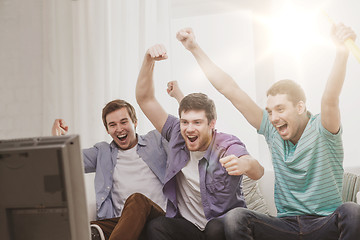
(178, 228)
(343, 224)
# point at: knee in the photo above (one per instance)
(237, 220)
(155, 227)
(350, 211)
(136, 198)
(238, 216)
(215, 229)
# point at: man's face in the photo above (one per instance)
(285, 117)
(121, 128)
(196, 130)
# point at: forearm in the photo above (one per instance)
(336, 80)
(330, 111)
(217, 77)
(145, 85)
(179, 97)
(255, 170)
(226, 85)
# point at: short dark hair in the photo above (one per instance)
(116, 105)
(198, 101)
(293, 90)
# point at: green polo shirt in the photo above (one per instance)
(308, 175)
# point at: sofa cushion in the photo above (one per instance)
(253, 197)
(351, 185)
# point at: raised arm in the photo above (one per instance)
(174, 91)
(221, 80)
(59, 127)
(145, 92)
(330, 111)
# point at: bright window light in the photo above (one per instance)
(294, 29)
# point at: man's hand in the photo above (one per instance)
(235, 165)
(187, 37)
(340, 33)
(59, 128)
(174, 91)
(157, 52)
(245, 164)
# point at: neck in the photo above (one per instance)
(303, 122)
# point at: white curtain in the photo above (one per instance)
(93, 51)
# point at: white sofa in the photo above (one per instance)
(90, 195)
(265, 184)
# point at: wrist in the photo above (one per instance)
(195, 47)
(342, 53)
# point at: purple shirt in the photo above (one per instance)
(220, 192)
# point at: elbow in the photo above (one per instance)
(139, 98)
(261, 172)
(258, 174)
(142, 97)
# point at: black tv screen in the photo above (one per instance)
(42, 192)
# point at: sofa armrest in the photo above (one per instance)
(90, 195)
(351, 186)
(266, 185)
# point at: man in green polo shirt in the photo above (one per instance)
(306, 149)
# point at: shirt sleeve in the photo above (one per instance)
(90, 156)
(266, 128)
(226, 145)
(238, 149)
(170, 127)
(331, 137)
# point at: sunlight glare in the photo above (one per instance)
(294, 29)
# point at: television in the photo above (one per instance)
(42, 191)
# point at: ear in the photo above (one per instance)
(212, 124)
(301, 107)
(135, 124)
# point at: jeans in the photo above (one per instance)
(342, 224)
(179, 228)
(137, 212)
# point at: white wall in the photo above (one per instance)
(227, 34)
(20, 68)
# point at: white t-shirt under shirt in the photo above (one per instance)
(133, 175)
(188, 192)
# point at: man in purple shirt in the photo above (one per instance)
(204, 167)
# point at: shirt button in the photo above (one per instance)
(108, 187)
(102, 198)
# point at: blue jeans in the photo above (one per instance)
(245, 224)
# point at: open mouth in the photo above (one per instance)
(282, 128)
(122, 137)
(192, 138)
